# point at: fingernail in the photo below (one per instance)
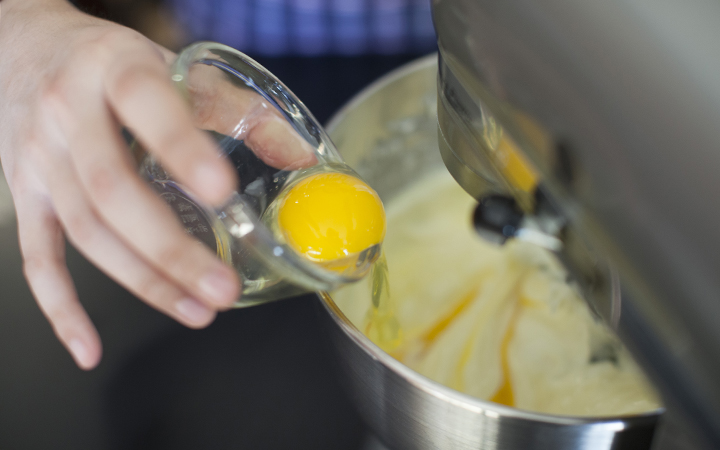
(80, 352)
(193, 311)
(219, 288)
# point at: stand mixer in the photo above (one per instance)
(612, 108)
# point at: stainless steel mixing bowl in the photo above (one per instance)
(388, 133)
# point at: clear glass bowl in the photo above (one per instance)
(272, 140)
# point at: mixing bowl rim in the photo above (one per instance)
(372, 88)
(419, 381)
(465, 401)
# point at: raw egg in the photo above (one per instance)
(331, 215)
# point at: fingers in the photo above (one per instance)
(132, 211)
(277, 144)
(168, 56)
(43, 250)
(94, 193)
(104, 249)
(141, 95)
(243, 114)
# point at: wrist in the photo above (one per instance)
(11, 4)
(31, 8)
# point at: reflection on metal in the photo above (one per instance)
(409, 411)
(375, 133)
(624, 146)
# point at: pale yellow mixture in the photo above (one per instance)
(498, 323)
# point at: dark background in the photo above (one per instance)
(258, 378)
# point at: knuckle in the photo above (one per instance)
(131, 79)
(103, 183)
(53, 93)
(172, 142)
(182, 261)
(35, 150)
(81, 229)
(111, 38)
(152, 289)
(172, 257)
(120, 38)
(205, 103)
(39, 266)
(108, 49)
(35, 266)
(55, 110)
(54, 89)
(60, 319)
(102, 48)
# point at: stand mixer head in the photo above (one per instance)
(589, 128)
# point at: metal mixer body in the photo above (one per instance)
(615, 105)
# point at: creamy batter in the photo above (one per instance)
(498, 323)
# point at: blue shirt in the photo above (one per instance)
(311, 27)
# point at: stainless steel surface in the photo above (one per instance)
(375, 133)
(623, 102)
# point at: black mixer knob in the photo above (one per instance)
(497, 218)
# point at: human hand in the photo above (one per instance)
(243, 114)
(68, 82)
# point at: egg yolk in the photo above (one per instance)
(331, 215)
